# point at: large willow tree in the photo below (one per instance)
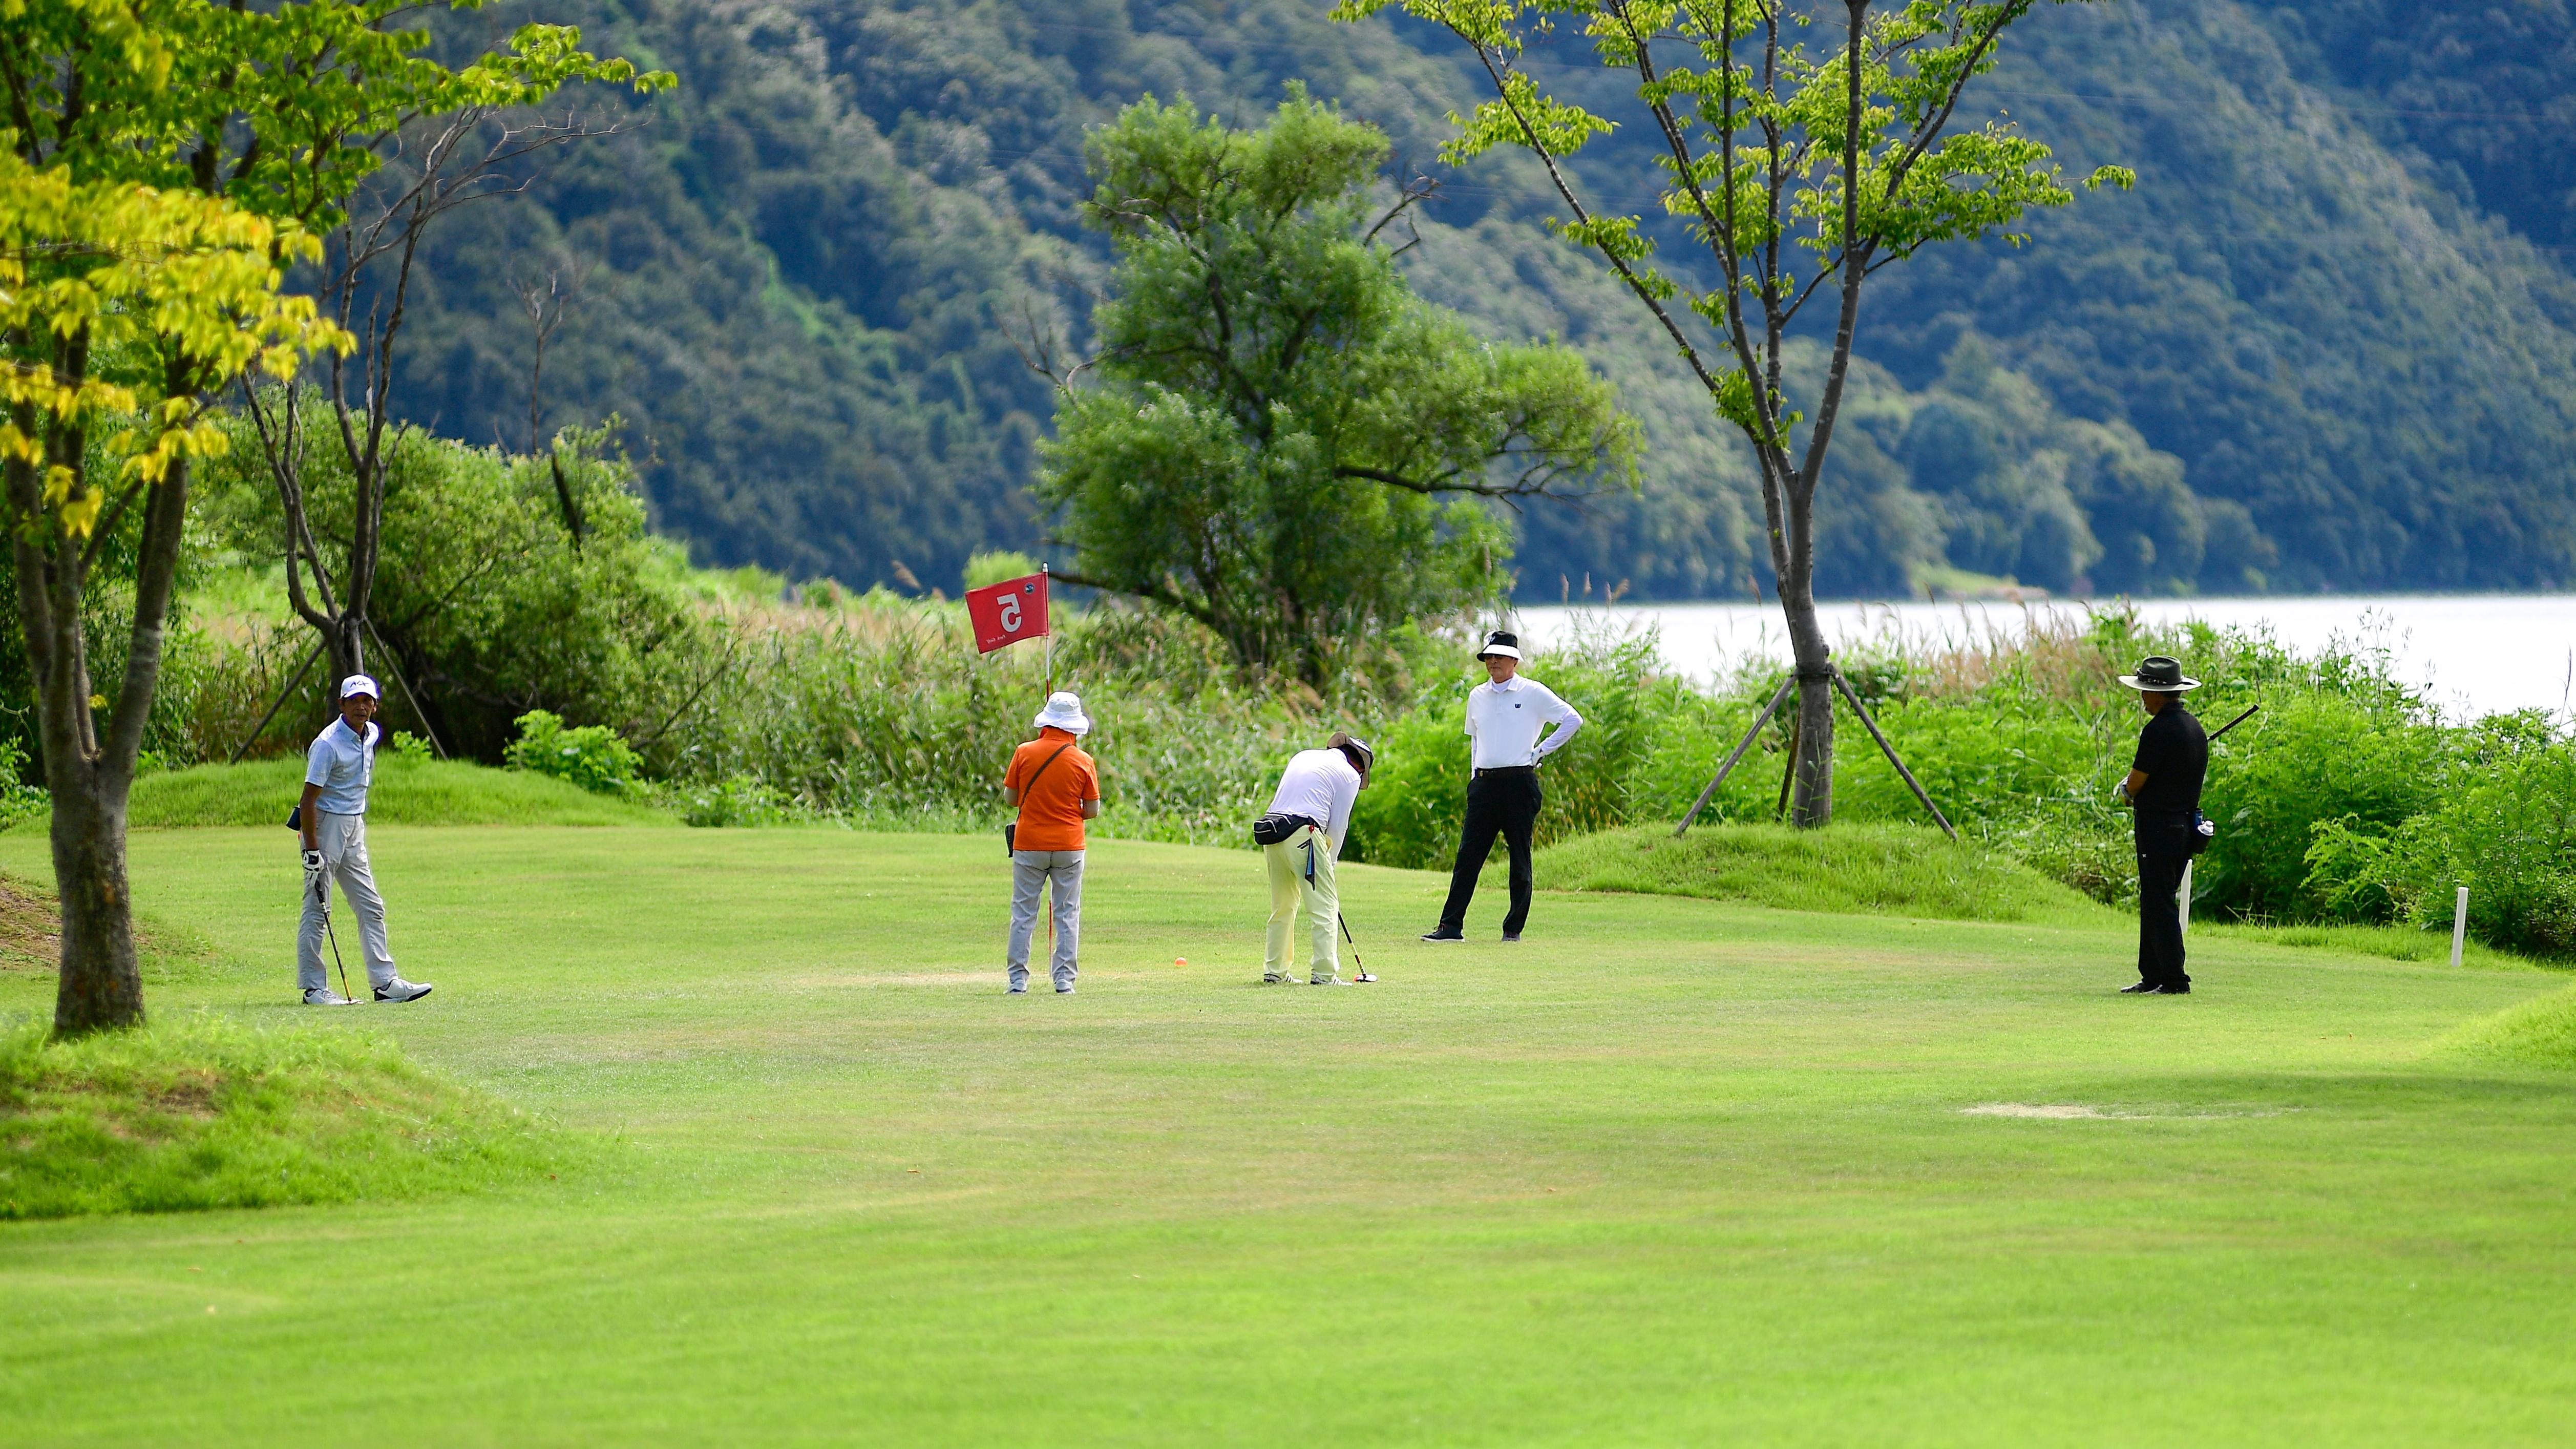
(1277, 438)
(1799, 170)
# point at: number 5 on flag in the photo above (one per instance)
(1008, 612)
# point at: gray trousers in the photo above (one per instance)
(1030, 872)
(343, 839)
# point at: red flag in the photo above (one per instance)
(1008, 612)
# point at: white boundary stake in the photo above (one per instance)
(2182, 898)
(2459, 926)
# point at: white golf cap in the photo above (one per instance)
(360, 684)
(1503, 642)
(1064, 712)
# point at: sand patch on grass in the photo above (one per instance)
(2055, 1112)
(2077, 1112)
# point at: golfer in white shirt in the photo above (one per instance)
(1504, 718)
(338, 770)
(1310, 815)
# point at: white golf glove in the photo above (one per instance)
(312, 868)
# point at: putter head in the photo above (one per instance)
(1365, 976)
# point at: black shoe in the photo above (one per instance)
(2139, 988)
(2182, 988)
(1511, 935)
(1444, 933)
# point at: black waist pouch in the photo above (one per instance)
(1275, 829)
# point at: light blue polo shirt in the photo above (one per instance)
(344, 766)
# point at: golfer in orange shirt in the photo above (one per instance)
(1057, 788)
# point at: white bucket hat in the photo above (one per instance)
(1064, 712)
(360, 684)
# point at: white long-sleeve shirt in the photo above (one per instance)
(1505, 719)
(1322, 786)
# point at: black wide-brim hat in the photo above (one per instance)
(2159, 675)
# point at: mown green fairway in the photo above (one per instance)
(1671, 1171)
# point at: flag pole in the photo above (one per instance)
(1047, 586)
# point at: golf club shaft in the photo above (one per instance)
(1355, 946)
(2249, 713)
(322, 891)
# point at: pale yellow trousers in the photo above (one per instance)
(1301, 879)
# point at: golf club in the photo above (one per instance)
(1364, 973)
(322, 892)
(2231, 724)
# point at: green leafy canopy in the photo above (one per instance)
(1761, 146)
(1278, 438)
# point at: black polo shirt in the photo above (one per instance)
(2174, 751)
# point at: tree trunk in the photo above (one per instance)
(1813, 801)
(101, 985)
(345, 642)
(90, 770)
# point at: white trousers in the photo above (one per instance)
(343, 839)
(1301, 878)
(1030, 872)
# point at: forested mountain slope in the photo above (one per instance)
(2328, 343)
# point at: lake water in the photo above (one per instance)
(2475, 653)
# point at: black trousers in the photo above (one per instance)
(1503, 802)
(2160, 917)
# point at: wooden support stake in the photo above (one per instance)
(1789, 775)
(417, 712)
(1890, 750)
(277, 704)
(1741, 746)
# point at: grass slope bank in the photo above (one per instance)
(406, 792)
(1895, 870)
(207, 1113)
(2539, 1033)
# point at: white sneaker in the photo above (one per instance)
(325, 996)
(400, 990)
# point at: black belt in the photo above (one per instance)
(1505, 770)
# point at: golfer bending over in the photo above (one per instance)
(1504, 717)
(1057, 788)
(1301, 837)
(333, 816)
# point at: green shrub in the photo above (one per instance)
(18, 802)
(592, 756)
(736, 800)
(2501, 821)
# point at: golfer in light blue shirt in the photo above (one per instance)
(333, 816)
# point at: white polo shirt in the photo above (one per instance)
(1505, 719)
(1322, 786)
(344, 765)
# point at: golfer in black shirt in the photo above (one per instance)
(2163, 787)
